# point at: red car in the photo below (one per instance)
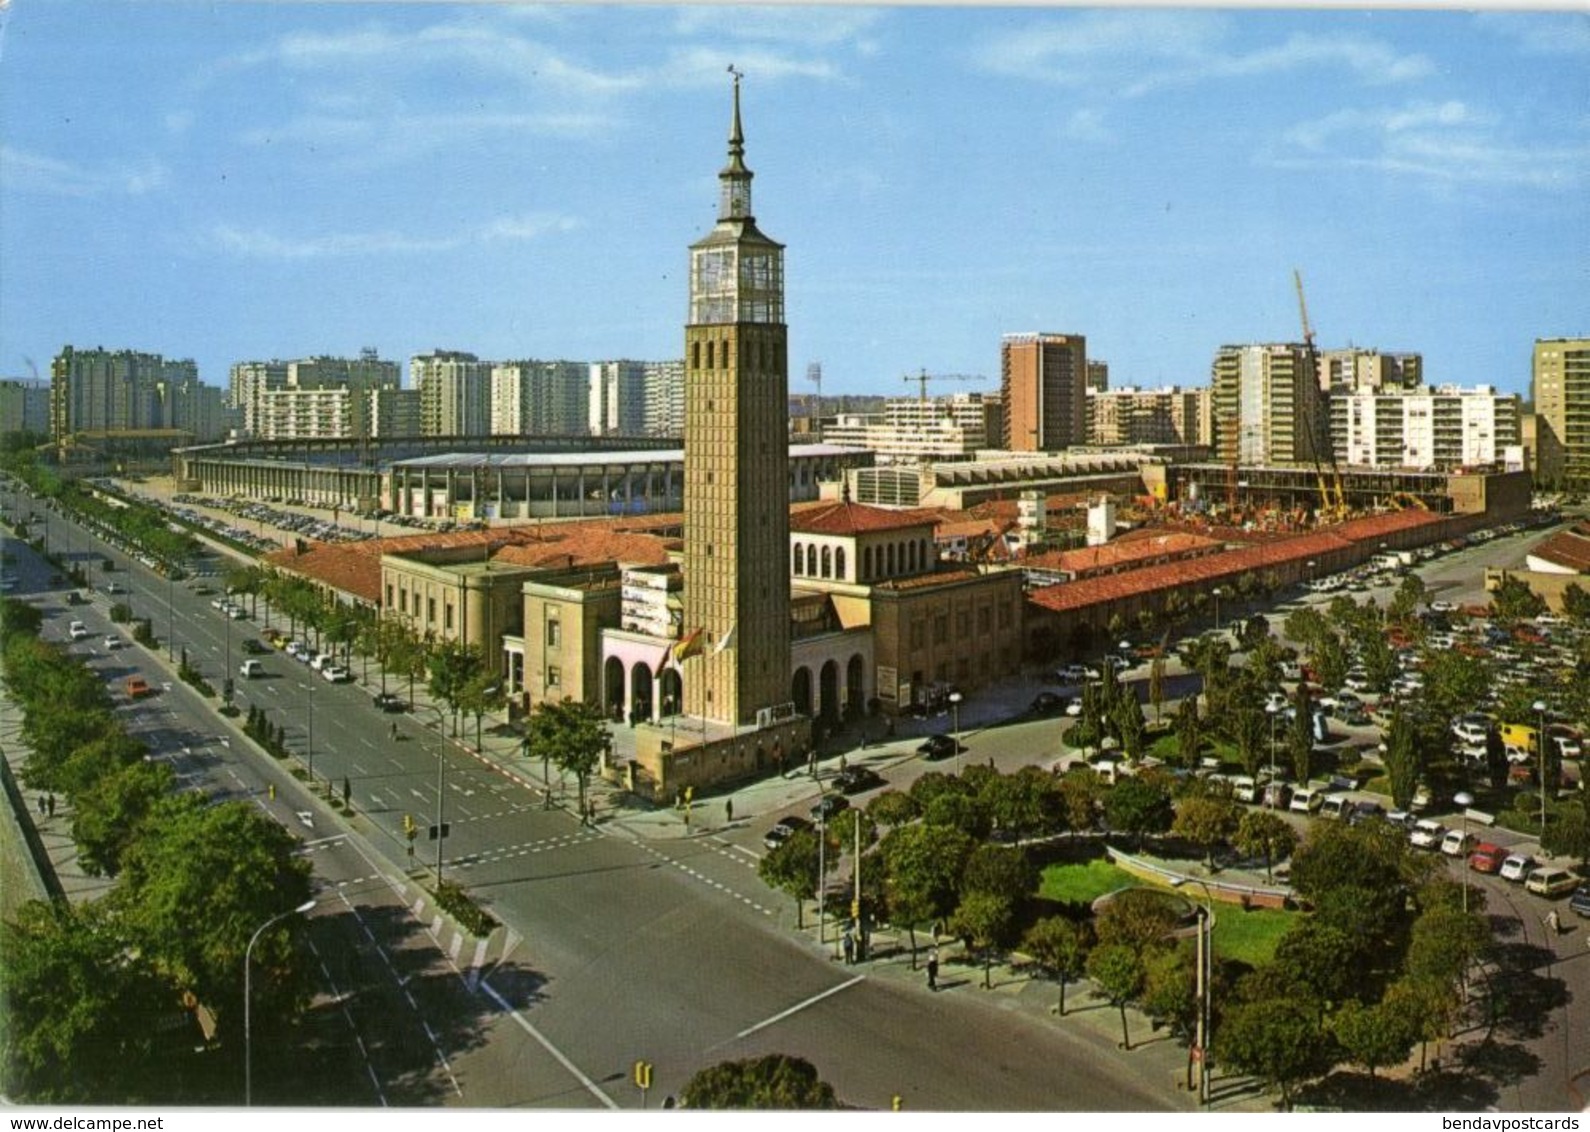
(1487, 858)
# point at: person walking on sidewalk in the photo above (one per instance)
(728, 811)
(850, 948)
(933, 969)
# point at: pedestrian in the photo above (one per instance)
(933, 969)
(728, 811)
(850, 948)
(1554, 922)
(41, 805)
(393, 731)
(50, 803)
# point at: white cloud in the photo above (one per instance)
(38, 173)
(826, 25)
(1138, 52)
(1540, 33)
(257, 243)
(1085, 125)
(1449, 142)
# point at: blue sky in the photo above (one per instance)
(234, 181)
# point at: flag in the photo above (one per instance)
(687, 647)
(728, 639)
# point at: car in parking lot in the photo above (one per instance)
(1487, 857)
(1074, 706)
(320, 660)
(1457, 843)
(1072, 674)
(1426, 834)
(336, 674)
(1551, 882)
(1277, 796)
(115, 588)
(1308, 800)
(1517, 868)
(827, 806)
(783, 829)
(112, 641)
(1580, 900)
(1048, 703)
(1360, 812)
(77, 631)
(939, 747)
(855, 779)
(389, 701)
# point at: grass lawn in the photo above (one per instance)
(1247, 936)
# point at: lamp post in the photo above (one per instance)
(1216, 594)
(1203, 991)
(955, 718)
(822, 862)
(1269, 802)
(441, 785)
(1540, 745)
(171, 613)
(248, 1034)
(1464, 800)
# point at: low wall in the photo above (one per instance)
(1248, 895)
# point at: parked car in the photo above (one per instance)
(1074, 706)
(77, 631)
(1244, 788)
(320, 660)
(137, 687)
(938, 747)
(115, 588)
(390, 701)
(1335, 806)
(1306, 801)
(1048, 703)
(336, 673)
(1360, 812)
(1277, 795)
(827, 806)
(1457, 843)
(1551, 882)
(255, 648)
(1487, 857)
(112, 641)
(783, 829)
(1517, 868)
(855, 779)
(1580, 900)
(1072, 674)
(250, 669)
(1427, 834)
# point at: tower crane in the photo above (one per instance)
(1332, 505)
(923, 377)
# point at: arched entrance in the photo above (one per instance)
(855, 687)
(828, 691)
(670, 692)
(640, 692)
(613, 688)
(800, 692)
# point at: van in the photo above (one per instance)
(1551, 882)
(1244, 788)
(1306, 801)
(1518, 735)
(1334, 806)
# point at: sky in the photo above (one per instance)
(230, 181)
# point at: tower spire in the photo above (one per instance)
(735, 179)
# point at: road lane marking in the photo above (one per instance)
(590, 1085)
(799, 1006)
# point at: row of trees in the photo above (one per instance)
(95, 995)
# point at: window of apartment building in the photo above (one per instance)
(447, 616)
(430, 610)
(554, 676)
(554, 633)
(389, 595)
(941, 629)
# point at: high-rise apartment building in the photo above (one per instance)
(1424, 428)
(1560, 388)
(1171, 415)
(248, 383)
(317, 398)
(618, 398)
(1266, 406)
(109, 390)
(1043, 391)
(1357, 368)
(392, 412)
(1098, 375)
(538, 398)
(455, 393)
(736, 556)
(665, 398)
(24, 406)
(913, 430)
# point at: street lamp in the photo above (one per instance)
(1269, 802)
(1464, 800)
(955, 717)
(248, 1034)
(1216, 594)
(1204, 989)
(171, 614)
(1540, 745)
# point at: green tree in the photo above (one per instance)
(1304, 627)
(79, 1008)
(1402, 758)
(791, 867)
(1139, 918)
(1189, 733)
(1300, 733)
(1265, 833)
(1082, 795)
(1513, 600)
(1000, 871)
(1576, 604)
(573, 735)
(452, 665)
(1170, 994)
(1276, 1040)
(1207, 822)
(1060, 946)
(1137, 807)
(110, 814)
(1328, 658)
(480, 694)
(1025, 803)
(19, 619)
(1322, 961)
(1250, 730)
(1409, 597)
(1119, 973)
(776, 1081)
(1568, 831)
(1380, 663)
(923, 865)
(1453, 682)
(1156, 685)
(983, 920)
(1127, 718)
(891, 808)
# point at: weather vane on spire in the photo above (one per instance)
(738, 74)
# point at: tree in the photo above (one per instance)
(1329, 660)
(452, 665)
(1265, 833)
(1249, 729)
(1156, 685)
(1119, 973)
(1082, 795)
(1207, 822)
(573, 735)
(1170, 993)
(80, 1008)
(19, 619)
(1127, 719)
(481, 693)
(109, 815)
(1568, 832)
(1380, 663)
(1024, 803)
(923, 866)
(983, 919)
(1060, 946)
(1453, 682)
(1304, 626)
(1576, 604)
(1402, 759)
(1513, 600)
(891, 807)
(776, 1081)
(791, 867)
(1373, 1036)
(1137, 807)
(238, 866)
(1277, 1040)
(1189, 732)
(1000, 871)
(1321, 961)
(1139, 918)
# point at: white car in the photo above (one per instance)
(1457, 843)
(1442, 607)
(1517, 868)
(1426, 834)
(1568, 748)
(112, 641)
(320, 660)
(1471, 733)
(77, 631)
(1072, 674)
(1275, 701)
(250, 669)
(1074, 706)
(1306, 801)
(336, 674)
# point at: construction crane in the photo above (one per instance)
(1333, 503)
(922, 378)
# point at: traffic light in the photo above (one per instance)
(410, 830)
(643, 1074)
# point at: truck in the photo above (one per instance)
(1519, 735)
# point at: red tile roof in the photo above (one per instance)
(1569, 548)
(854, 519)
(1123, 553)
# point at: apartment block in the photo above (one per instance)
(1560, 387)
(1356, 368)
(911, 429)
(1266, 404)
(24, 405)
(110, 390)
(1098, 375)
(540, 398)
(617, 398)
(1127, 415)
(455, 393)
(392, 412)
(1424, 428)
(665, 398)
(1043, 391)
(321, 397)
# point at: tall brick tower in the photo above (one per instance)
(736, 461)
